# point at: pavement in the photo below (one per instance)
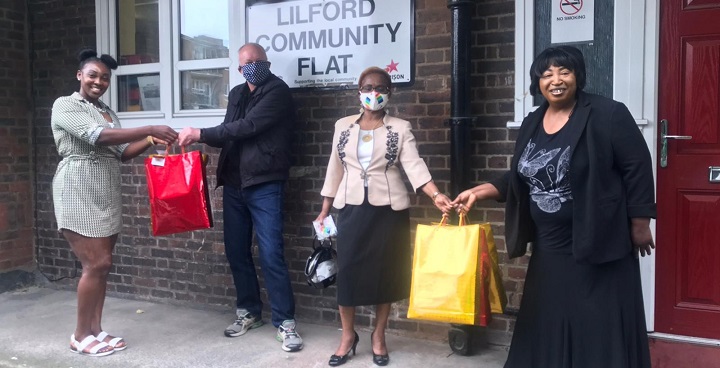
(36, 323)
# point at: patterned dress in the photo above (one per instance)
(86, 186)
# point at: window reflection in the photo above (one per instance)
(205, 89)
(138, 32)
(204, 30)
(138, 92)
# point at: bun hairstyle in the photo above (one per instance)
(89, 55)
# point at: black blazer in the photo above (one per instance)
(610, 177)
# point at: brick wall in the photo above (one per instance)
(16, 212)
(191, 268)
(493, 105)
(58, 30)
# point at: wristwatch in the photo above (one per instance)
(435, 195)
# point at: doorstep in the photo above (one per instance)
(673, 351)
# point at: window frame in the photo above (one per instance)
(169, 66)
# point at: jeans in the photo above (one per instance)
(258, 206)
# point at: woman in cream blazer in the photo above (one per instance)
(364, 182)
(394, 146)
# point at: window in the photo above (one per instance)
(619, 57)
(175, 58)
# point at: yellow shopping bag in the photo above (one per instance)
(456, 277)
(496, 289)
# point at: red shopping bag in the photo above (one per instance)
(179, 196)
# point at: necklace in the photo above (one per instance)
(367, 137)
(554, 124)
(101, 109)
(98, 108)
(572, 110)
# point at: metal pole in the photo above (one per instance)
(459, 95)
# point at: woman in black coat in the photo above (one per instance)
(580, 189)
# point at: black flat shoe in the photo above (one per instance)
(378, 359)
(336, 360)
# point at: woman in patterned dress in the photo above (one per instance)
(86, 189)
(580, 189)
(364, 182)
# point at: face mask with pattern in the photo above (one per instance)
(256, 73)
(373, 101)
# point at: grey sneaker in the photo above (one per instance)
(244, 322)
(290, 339)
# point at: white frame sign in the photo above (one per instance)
(328, 43)
(572, 21)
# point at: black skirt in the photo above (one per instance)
(580, 315)
(374, 255)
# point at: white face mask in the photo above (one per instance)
(373, 101)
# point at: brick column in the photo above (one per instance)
(16, 200)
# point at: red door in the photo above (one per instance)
(688, 223)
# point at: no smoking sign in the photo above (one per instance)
(571, 7)
(572, 21)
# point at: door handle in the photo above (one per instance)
(714, 174)
(664, 141)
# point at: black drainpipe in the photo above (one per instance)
(460, 95)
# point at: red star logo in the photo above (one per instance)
(393, 66)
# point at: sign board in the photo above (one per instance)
(328, 43)
(572, 21)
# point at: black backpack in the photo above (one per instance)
(321, 266)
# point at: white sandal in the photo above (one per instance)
(114, 342)
(79, 347)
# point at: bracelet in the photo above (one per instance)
(150, 140)
(435, 195)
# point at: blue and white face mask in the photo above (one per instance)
(256, 73)
(373, 101)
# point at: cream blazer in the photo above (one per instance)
(393, 146)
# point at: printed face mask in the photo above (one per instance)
(373, 101)
(257, 72)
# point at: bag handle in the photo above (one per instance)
(168, 148)
(462, 221)
(444, 219)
